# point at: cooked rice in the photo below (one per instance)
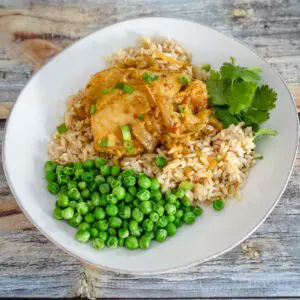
(218, 165)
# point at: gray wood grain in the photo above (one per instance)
(31, 266)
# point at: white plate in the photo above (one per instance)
(41, 104)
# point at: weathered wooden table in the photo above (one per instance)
(266, 265)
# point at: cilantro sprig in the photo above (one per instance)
(236, 96)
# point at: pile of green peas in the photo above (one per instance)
(112, 208)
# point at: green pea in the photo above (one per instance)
(98, 244)
(136, 203)
(170, 209)
(128, 172)
(63, 200)
(144, 182)
(218, 205)
(177, 204)
(93, 187)
(87, 176)
(84, 226)
(78, 165)
(110, 180)
(179, 193)
(137, 215)
(67, 213)
(115, 170)
(95, 198)
(189, 217)
(134, 228)
(111, 210)
(123, 233)
(197, 210)
(112, 231)
(115, 222)
(146, 207)
(125, 212)
(171, 218)
(94, 232)
(161, 235)
(105, 170)
(128, 198)
(161, 161)
(179, 213)
(160, 210)
(82, 185)
(78, 174)
(104, 188)
(50, 176)
(147, 225)
(63, 189)
(85, 193)
(156, 195)
(82, 236)
(74, 194)
(68, 171)
(75, 221)
(121, 242)
(132, 190)
(178, 222)
(116, 183)
(99, 179)
(57, 213)
(155, 186)
(88, 165)
(100, 161)
(171, 229)
(162, 222)
(82, 208)
(119, 192)
(50, 166)
(129, 181)
(171, 198)
(186, 185)
(185, 209)
(59, 169)
(143, 195)
(103, 200)
(72, 184)
(131, 243)
(103, 235)
(101, 225)
(111, 199)
(145, 241)
(53, 188)
(186, 202)
(125, 223)
(154, 216)
(89, 218)
(99, 213)
(73, 204)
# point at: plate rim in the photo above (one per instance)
(189, 264)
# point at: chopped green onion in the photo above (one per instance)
(127, 138)
(206, 67)
(93, 109)
(218, 205)
(124, 87)
(141, 117)
(103, 142)
(184, 80)
(105, 91)
(186, 185)
(149, 77)
(181, 108)
(62, 128)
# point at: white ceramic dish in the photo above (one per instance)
(41, 104)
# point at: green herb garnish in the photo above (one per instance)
(105, 91)
(236, 96)
(149, 77)
(206, 67)
(124, 87)
(103, 142)
(184, 80)
(141, 117)
(62, 128)
(265, 131)
(126, 133)
(93, 109)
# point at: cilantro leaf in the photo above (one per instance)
(216, 91)
(264, 98)
(265, 131)
(240, 96)
(254, 116)
(233, 73)
(225, 117)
